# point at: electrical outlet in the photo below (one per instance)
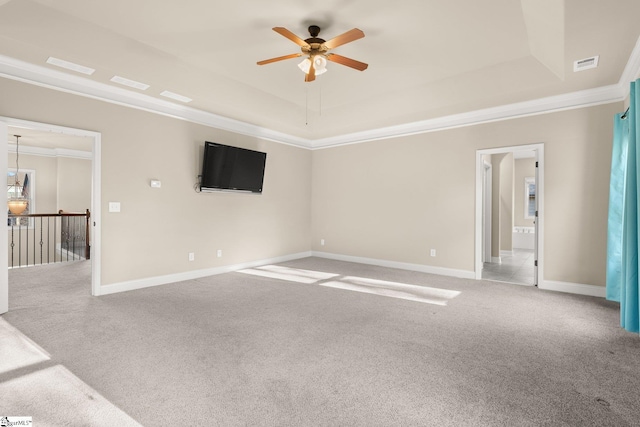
(321, 242)
(219, 253)
(192, 256)
(433, 252)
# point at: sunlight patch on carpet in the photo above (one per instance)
(394, 289)
(17, 350)
(405, 291)
(289, 274)
(55, 396)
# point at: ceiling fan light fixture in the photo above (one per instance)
(314, 50)
(319, 64)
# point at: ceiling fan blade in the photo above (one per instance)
(288, 34)
(311, 75)
(343, 60)
(279, 58)
(347, 37)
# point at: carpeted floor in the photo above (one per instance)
(244, 349)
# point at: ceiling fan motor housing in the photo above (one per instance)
(314, 41)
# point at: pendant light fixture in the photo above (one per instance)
(16, 202)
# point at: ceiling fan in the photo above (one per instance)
(316, 51)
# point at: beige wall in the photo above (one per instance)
(496, 212)
(74, 184)
(157, 228)
(395, 199)
(506, 203)
(390, 199)
(524, 168)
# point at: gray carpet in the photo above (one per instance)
(245, 350)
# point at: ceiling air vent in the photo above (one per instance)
(585, 64)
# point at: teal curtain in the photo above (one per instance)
(624, 207)
(616, 206)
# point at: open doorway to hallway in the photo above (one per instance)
(54, 173)
(509, 194)
(65, 176)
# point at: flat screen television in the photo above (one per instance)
(226, 168)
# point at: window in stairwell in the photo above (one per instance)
(26, 188)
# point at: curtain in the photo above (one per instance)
(616, 206)
(623, 242)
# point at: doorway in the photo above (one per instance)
(509, 214)
(56, 133)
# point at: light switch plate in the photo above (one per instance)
(114, 206)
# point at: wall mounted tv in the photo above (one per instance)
(226, 168)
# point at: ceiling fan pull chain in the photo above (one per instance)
(306, 105)
(320, 102)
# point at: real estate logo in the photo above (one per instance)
(15, 421)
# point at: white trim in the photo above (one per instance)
(96, 194)
(631, 70)
(574, 288)
(495, 260)
(193, 274)
(51, 152)
(540, 195)
(569, 101)
(15, 69)
(442, 271)
(67, 254)
(96, 215)
(4, 239)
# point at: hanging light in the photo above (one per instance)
(319, 64)
(16, 202)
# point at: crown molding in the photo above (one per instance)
(50, 152)
(15, 69)
(631, 71)
(581, 99)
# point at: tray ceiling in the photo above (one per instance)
(427, 59)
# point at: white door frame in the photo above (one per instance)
(95, 197)
(539, 149)
(4, 238)
(487, 180)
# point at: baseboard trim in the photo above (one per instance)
(549, 285)
(442, 271)
(574, 288)
(496, 260)
(194, 274)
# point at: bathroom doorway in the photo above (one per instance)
(509, 214)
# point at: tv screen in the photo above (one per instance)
(232, 168)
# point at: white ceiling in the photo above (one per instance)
(427, 58)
